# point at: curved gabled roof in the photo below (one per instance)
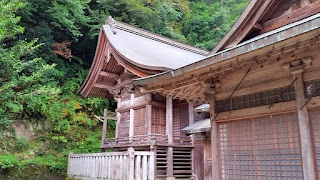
(123, 49)
(148, 50)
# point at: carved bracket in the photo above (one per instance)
(298, 66)
(125, 90)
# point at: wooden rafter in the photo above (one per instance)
(109, 74)
(307, 10)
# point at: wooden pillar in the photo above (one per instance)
(118, 116)
(149, 113)
(169, 119)
(216, 173)
(104, 127)
(131, 125)
(169, 132)
(191, 121)
(306, 145)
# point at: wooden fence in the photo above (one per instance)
(130, 165)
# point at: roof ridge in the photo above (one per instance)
(153, 36)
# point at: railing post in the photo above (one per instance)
(131, 163)
(151, 173)
(69, 164)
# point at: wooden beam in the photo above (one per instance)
(260, 111)
(108, 117)
(257, 26)
(103, 86)
(307, 10)
(307, 150)
(110, 75)
(123, 83)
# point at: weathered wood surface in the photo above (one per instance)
(112, 165)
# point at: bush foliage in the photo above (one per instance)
(47, 47)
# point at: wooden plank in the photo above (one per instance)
(149, 118)
(110, 75)
(307, 150)
(216, 168)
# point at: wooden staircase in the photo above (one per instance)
(182, 163)
(161, 162)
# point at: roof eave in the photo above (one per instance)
(286, 32)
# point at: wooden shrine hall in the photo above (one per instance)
(249, 109)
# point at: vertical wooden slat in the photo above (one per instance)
(307, 150)
(102, 167)
(144, 167)
(109, 168)
(138, 168)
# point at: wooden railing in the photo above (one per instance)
(150, 139)
(130, 165)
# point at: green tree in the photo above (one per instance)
(20, 75)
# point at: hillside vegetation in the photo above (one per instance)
(47, 47)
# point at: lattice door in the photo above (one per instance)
(262, 148)
(315, 118)
(140, 122)
(159, 120)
